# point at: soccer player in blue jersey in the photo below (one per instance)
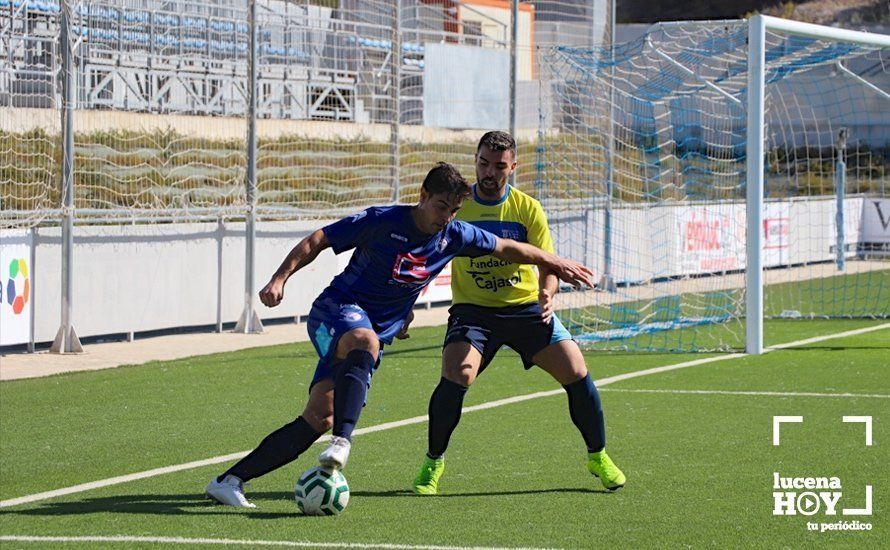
(499, 302)
(399, 250)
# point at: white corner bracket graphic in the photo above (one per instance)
(867, 510)
(861, 511)
(865, 420)
(779, 420)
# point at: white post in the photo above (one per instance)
(840, 183)
(757, 27)
(821, 32)
(250, 321)
(395, 132)
(33, 265)
(607, 281)
(220, 236)
(514, 37)
(66, 340)
(754, 199)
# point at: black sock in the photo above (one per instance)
(350, 389)
(445, 408)
(278, 448)
(586, 411)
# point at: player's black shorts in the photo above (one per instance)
(488, 328)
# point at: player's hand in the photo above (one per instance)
(545, 298)
(272, 293)
(572, 272)
(404, 332)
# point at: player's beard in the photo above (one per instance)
(489, 188)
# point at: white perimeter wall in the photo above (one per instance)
(148, 277)
(684, 239)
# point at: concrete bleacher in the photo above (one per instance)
(412, 53)
(40, 7)
(203, 46)
(143, 28)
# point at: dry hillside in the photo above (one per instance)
(825, 12)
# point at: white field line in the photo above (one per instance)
(817, 339)
(417, 419)
(755, 393)
(232, 542)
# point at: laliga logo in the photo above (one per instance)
(809, 495)
(18, 287)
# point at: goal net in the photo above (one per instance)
(645, 170)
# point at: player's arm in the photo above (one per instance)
(535, 220)
(548, 286)
(302, 255)
(570, 271)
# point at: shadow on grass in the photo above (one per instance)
(408, 493)
(190, 504)
(835, 348)
(168, 505)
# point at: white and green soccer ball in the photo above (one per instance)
(322, 492)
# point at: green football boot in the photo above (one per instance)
(427, 480)
(600, 465)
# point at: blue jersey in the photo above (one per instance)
(393, 260)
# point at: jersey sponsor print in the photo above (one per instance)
(489, 281)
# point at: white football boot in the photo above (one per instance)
(229, 491)
(337, 453)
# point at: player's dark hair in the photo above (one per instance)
(498, 141)
(444, 178)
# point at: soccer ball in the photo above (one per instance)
(322, 492)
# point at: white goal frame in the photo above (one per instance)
(757, 29)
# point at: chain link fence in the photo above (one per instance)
(157, 114)
(355, 100)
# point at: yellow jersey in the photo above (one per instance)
(486, 280)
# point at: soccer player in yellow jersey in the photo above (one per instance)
(498, 303)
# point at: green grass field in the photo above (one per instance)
(700, 464)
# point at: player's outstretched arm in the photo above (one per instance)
(548, 286)
(570, 271)
(302, 255)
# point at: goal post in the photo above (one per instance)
(720, 173)
(758, 26)
(754, 190)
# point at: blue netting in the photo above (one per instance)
(679, 141)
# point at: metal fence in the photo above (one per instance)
(143, 111)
